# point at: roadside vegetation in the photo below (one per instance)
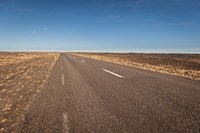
(22, 77)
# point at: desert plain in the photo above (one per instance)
(24, 75)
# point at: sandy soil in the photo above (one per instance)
(22, 76)
(186, 65)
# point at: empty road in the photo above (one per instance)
(90, 96)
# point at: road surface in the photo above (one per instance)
(90, 96)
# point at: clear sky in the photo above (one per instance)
(100, 25)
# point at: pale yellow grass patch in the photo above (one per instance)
(22, 78)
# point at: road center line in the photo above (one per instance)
(63, 79)
(112, 73)
(82, 61)
(65, 123)
(61, 67)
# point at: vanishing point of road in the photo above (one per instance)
(90, 96)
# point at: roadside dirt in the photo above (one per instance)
(185, 65)
(22, 77)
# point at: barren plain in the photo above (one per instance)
(185, 65)
(52, 92)
(22, 76)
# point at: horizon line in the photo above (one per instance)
(96, 51)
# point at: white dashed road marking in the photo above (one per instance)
(82, 61)
(63, 79)
(65, 123)
(112, 73)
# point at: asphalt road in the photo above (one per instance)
(89, 96)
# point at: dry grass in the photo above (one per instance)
(22, 76)
(186, 65)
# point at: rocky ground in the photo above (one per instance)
(22, 76)
(186, 65)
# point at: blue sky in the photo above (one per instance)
(100, 25)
